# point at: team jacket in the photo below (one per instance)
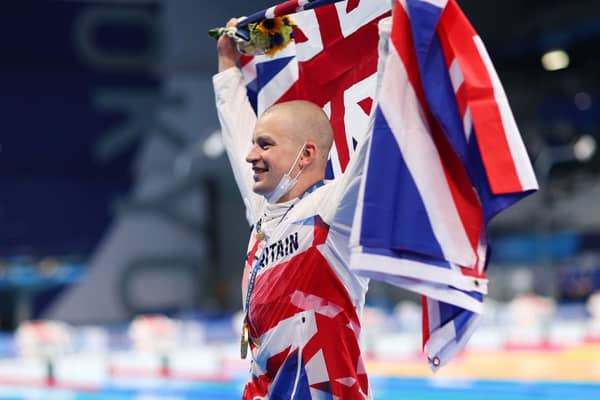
(305, 307)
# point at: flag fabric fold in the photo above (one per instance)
(445, 156)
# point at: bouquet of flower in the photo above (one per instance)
(266, 36)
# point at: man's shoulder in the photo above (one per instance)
(318, 196)
(324, 188)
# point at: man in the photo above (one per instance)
(302, 303)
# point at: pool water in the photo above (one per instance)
(384, 388)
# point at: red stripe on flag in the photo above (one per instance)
(245, 60)
(474, 272)
(331, 33)
(339, 54)
(366, 104)
(299, 36)
(289, 7)
(456, 37)
(338, 110)
(461, 101)
(329, 25)
(424, 320)
(464, 197)
(351, 5)
(252, 253)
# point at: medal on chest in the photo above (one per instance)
(259, 235)
(244, 340)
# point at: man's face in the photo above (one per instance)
(273, 152)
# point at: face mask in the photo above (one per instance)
(286, 183)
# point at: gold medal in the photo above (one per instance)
(244, 341)
(260, 235)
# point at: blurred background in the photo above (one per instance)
(116, 200)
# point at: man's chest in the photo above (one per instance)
(274, 243)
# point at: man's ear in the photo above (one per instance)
(309, 154)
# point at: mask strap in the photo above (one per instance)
(296, 161)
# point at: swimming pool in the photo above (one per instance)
(384, 388)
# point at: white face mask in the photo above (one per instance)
(286, 183)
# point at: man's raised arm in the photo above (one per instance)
(237, 119)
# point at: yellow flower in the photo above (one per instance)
(272, 25)
(273, 34)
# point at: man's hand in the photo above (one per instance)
(226, 49)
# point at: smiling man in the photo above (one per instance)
(302, 303)
(298, 131)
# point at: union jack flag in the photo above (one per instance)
(332, 62)
(445, 157)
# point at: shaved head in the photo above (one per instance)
(304, 121)
(294, 139)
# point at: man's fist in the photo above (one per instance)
(227, 50)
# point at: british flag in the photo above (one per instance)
(332, 62)
(445, 157)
